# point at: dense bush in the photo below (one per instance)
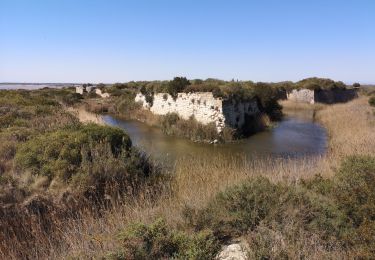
(59, 153)
(242, 208)
(158, 241)
(177, 85)
(354, 188)
(320, 83)
(371, 101)
(267, 99)
(337, 214)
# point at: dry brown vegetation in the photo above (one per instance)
(197, 181)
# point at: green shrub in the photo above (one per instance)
(177, 85)
(71, 99)
(320, 83)
(354, 188)
(242, 208)
(267, 100)
(371, 101)
(158, 241)
(319, 185)
(60, 152)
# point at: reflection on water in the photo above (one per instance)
(296, 135)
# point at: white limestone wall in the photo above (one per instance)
(100, 93)
(79, 90)
(203, 107)
(301, 95)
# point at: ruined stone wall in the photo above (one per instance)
(302, 95)
(100, 93)
(326, 96)
(335, 95)
(203, 106)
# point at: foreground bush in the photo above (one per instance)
(158, 241)
(371, 101)
(242, 208)
(96, 160)
(59, 153)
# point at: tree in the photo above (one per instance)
(177, 85)
(356, 85)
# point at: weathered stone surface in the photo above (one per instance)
(233, 252)
(100, 93)
(88, 89)
(80, 90)
(301, 95)
(203, 106)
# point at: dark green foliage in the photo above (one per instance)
(319, 185)
(124, 104)
(371, 101)
(354, 188)
(148, 93)
(268, 97)
(320, 83)
(59, 153)
(71, 98)
(242, 208)
(356, 85)
(158, 241)
(177, 85)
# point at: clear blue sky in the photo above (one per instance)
(117, 41)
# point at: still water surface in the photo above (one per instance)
(295, 136)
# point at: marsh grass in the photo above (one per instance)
(196, 181)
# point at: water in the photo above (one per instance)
(296, 135)
(10, 86)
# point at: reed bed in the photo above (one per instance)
(196, 180)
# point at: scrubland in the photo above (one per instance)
(113, 202)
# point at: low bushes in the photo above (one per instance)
(371, 101)
(158, 241)
(335, 213)
(60, 153)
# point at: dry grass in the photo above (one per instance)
(351, 128)
(197, 179)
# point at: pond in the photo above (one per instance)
(297, 135)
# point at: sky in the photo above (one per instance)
(118, 41)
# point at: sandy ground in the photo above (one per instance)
(86, 117)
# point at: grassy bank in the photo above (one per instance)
(314, 208)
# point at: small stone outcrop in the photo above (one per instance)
(233, 252)
(88, 89)
(204, 107)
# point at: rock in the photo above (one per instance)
(233, 252)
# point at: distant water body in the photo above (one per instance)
(32, 86)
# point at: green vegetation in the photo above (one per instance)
(371, 101)
(320, 83)
(335, 215)
(335, 211)
(49, 150)
(171, 124)
(77, 190)
(267, 96)
(158, 241)
(61, 152)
